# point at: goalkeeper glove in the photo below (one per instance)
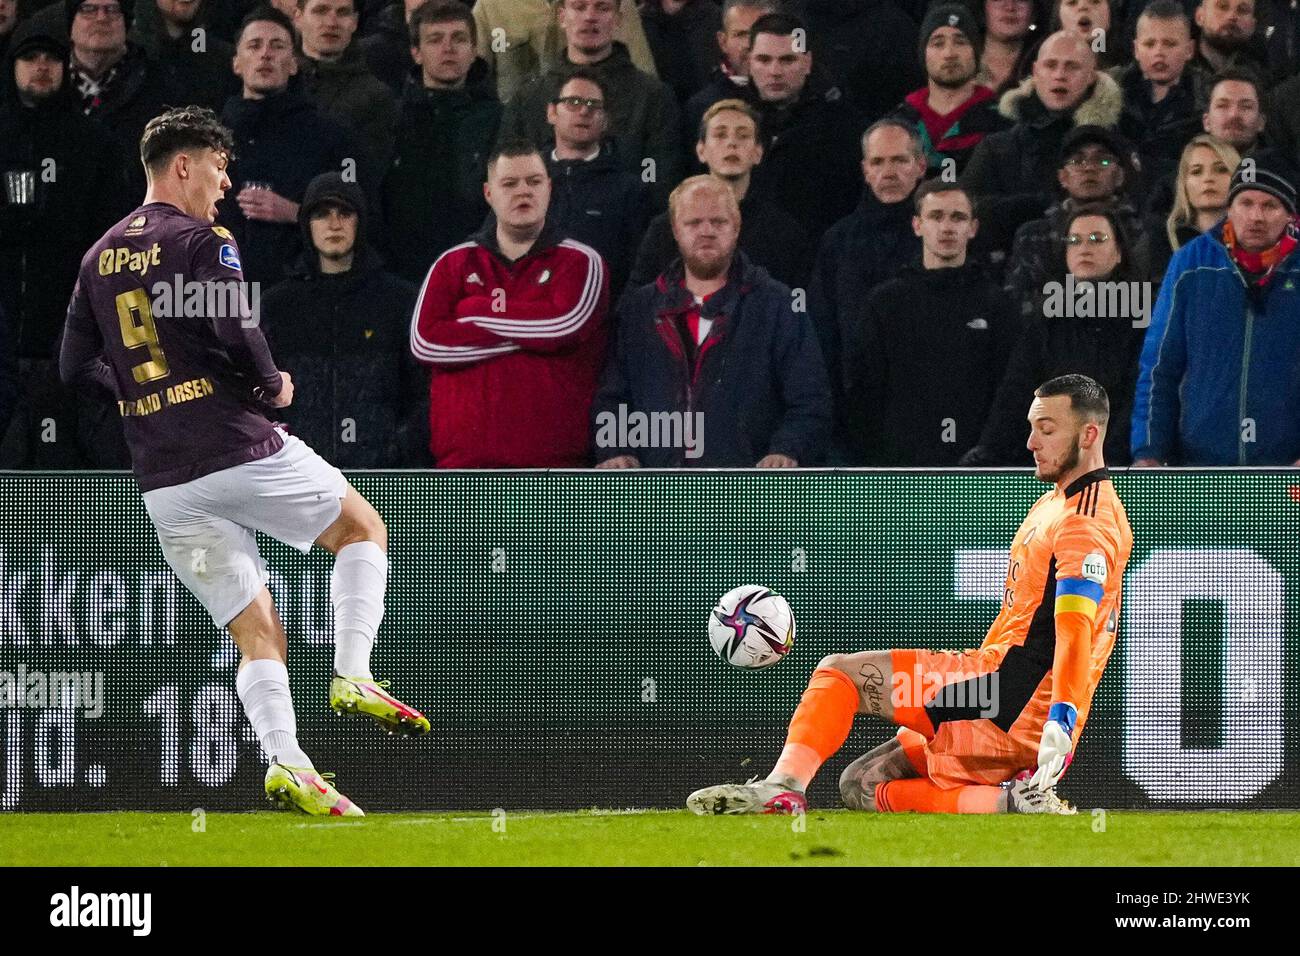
(1055, 746)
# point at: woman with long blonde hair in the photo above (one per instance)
(1200, 197)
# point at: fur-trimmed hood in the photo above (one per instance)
(1102, 106)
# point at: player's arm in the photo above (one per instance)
(214, 259)
(437, 338)
(1083, 564)
(81, 356)
(577, 305)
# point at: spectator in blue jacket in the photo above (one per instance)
(1220, 375)
(712, 365)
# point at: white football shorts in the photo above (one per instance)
(206, 526)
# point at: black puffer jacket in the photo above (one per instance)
(359, 398)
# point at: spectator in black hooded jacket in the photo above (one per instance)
(339, 325)
(930, 345)
(44, 235)
(594, 199)
(810, 135)
(449, 120)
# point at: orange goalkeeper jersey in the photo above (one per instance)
(1061, 599)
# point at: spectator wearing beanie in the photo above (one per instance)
(44, 234)
(1220, 373)
(339, 323)
(953, 112)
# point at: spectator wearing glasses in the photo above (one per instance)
(114, 82)
(450, 116)
(644, 119)
(594, 199)
(1094, 169)
(1055, 342)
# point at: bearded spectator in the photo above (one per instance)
(1228, 37)
(953, 112)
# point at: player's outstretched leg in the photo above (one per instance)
(859, 780)
(263, 686)
(359, 541)
(842, 686)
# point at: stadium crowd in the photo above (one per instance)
(558, 233)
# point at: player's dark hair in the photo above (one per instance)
(777, 24)
(512, 148)
(938, 185)
(442, 11)
(302, 5)
(264, 12)
(1087, 397)
(182, 128)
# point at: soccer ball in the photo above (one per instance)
(752, 626)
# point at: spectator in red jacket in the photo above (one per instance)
(514, 324)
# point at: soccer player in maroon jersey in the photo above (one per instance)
(194, 391)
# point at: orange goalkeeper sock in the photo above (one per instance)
(922, 796)
(819, 727)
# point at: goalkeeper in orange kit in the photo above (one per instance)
(991, 729)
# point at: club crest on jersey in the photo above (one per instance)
(229, 257)
(136, 226)
(1094, 567)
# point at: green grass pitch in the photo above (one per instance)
(663, 838)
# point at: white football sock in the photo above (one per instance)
(357, 588)
(263, 688)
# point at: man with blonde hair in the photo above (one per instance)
(754, 380)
